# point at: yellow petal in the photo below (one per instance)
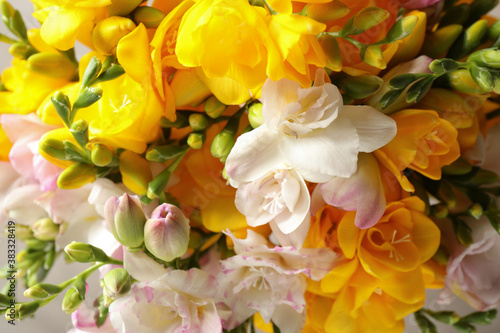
(136, 173)
(227, 90)
(220, 213)
(134, 55)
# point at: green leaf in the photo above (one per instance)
(390, 97)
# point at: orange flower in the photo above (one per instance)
(424, 142)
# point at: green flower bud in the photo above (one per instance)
(76, 175)
(481, 318)
(54, 65)
(324, 12)
(487, 57)
(126, 219)
(149, 16)
(437, 44)
(167, 232)
(35, 244)
(440, 211)
(13, 20)
(42, 290)
(116, 283)
(463, 232)
(81, 252)
(198, 122)
(463, 327)
(195, 140)
(447, 317)
(45, 229)
(4, 300)
(91, 72)
(460, 167)
(101, 155)
(213, 107)
(79, 130)
(222, 145)
(22, 311)
(360, 87)
(255, 115)
(462, 81)
(365, 19)
(63, 106)
(482, 77)
(373, 55)
(21, 50)
(331, 49)
(87, 97)
(441, 256)
(122, 7)
(73, 298)
(164, 153)
(469, 40)
(476, 211)
(53, 147)
(447, 194)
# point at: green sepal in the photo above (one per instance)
(87, 97)
(419, 89)
(363, 20)
(165, 153)
(91, 73)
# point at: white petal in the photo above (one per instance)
(374, 128)
(287, 318)
(323, 153)
(295, 238)
(141, 267)
(275, 97)
(363, 192)
(254, 154)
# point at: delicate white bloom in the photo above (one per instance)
(309, 130)
(270, 281)
(178, 301)
(280, 197)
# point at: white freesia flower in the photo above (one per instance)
(178, 301)
(280, 197)
(310, 130)
(270, 281)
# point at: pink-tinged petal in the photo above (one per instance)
(363, 192)
(295, 238)
(374, 128)
(19, 205)
(45, 172)
(194, 282)
(253, 154)
(324, 153)
(141, 267)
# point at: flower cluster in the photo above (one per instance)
(233, 165)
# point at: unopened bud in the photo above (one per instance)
(164, 153)
(440, 211)
(462, 81)
(74, 296)
(45, 229)
(53, 148)
(42, 290)
(101, 155)
(116, 283)
(22, 310)
(196, 140)
(447, 317)
(373, 55)
(476, 211)
(198, 122)
(441, 256)
(54, 65)
(362, 86)
(91, 72)
(331, 50)
(108, 32)
(21, 50)
(486, 57)
(481, 318)
(167, 233)
(324, 12)
(122, 7)
(213, 107)
(76, 175)
(255, 115)
(149, 16)
(126, 219)
(81, 252)
(79, 130)
(136, 173)
(222, 145)
(438, 43)
(87, 97)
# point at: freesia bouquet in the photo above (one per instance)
(244, 165)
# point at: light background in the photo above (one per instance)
(51, 319)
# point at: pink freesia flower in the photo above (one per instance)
(270, 281)
(473, 272)
(178, 301)
(24, 131)
(83, 320)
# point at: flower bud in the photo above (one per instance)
(42, 290)
(373, 55)
(122, 7)
(76, 175)
(324, 12)
(4, 300)
(196, 140)
(126, 219)
(101, 155)
(188, 89)
(447, 317)
(437, 44)
(74, 297)
(222, 145)
(53, 147)
(136, 173)
(167, 233)
(440, 211)
(108, 32)
(486, 57)
(79, 130)
(81, 252)
(213, 107)
(255, 115)
(22, 310)
(116, 283)
(198, 122)
(87, 97)
(149, 16)
(331, 49)
(365, 19)
(63, 106)
(462, 81)
(164, 153)
(476, 211)
(21, 50)
(45, 229)
(54, 65)
(91, 72)
(481, 318)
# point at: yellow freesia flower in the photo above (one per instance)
(25, 88)
(63, 21)
(424, 142)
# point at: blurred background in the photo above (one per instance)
(51, 319)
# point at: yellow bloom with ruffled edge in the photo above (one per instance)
(63, 21)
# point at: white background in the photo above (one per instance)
(51, 319)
